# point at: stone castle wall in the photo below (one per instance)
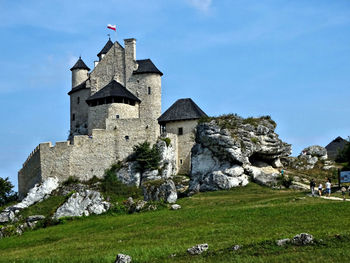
(99, 114)
(79, 108)
(185, 142)
(30, 167)
(110, 67)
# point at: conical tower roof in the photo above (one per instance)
(80, 65)
(106, 48)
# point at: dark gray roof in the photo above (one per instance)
(335, 146)
(113, 89)
(182, 109)
(146, 66)
(77, 88)
(80, 65)
(106, 48)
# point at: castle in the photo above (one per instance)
(112, 108)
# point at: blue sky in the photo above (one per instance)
(287, 59)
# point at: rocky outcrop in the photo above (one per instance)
(129, 175)
(83, 203)
(160, 190)
(309, 157)
(37, 194)
(229, 150)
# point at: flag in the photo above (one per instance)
(112, 27)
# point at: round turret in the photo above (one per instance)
(79, 72)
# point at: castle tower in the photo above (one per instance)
(79, 72)
(78, 95)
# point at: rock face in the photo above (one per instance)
(309, 157)
(160, 190)
(37, 194)
(129, 175)
(83, 203)
(231, 149)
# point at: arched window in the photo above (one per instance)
(149, 90)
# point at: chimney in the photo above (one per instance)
(130, 57)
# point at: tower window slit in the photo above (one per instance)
(149, 90)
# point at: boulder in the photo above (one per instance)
(175, 207)
(122, 258)
(302, 239)
(282, 242)
(159, 190)
(263, 175)
(315, 150)
(83, 203)
(198, 249)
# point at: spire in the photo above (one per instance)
(80, 65)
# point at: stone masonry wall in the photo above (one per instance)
(80, 110)
(110, 67)
(130, 132)
(99, 114)
(30, 167)
(185, 142)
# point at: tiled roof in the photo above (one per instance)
(146, 66)
(106, 48)
(77, 88)
(182, 109)
(80, 65)
(113, 89)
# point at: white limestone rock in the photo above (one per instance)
(175, 207)
(263, 175)
(159, 190)
(83, 203)
(37, 194)
(129, 175)
(302, 239)
(282, 242)
(198, 249)
(168, 159)
(122, 258)
(315, 150)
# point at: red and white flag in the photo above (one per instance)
(113, 27)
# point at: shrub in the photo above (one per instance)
(285, 181)
(71, 180)
(112, 187)
(254, 140)
(166, 140)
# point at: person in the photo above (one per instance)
(328, 188)
(320, 189)
(349, 190)
(312, 187)
(343, 192)
(282, 172)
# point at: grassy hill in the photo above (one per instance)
(253, 217)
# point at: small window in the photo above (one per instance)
(78, 100)
(73, 117)
(149, 90)
(117, 116)
(180, 131)
(180, 161)
(126, 137)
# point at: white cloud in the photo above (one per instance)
(201, 5)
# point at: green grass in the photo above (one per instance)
(253, 217)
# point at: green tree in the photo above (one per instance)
(6, 193)
(147, 157)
